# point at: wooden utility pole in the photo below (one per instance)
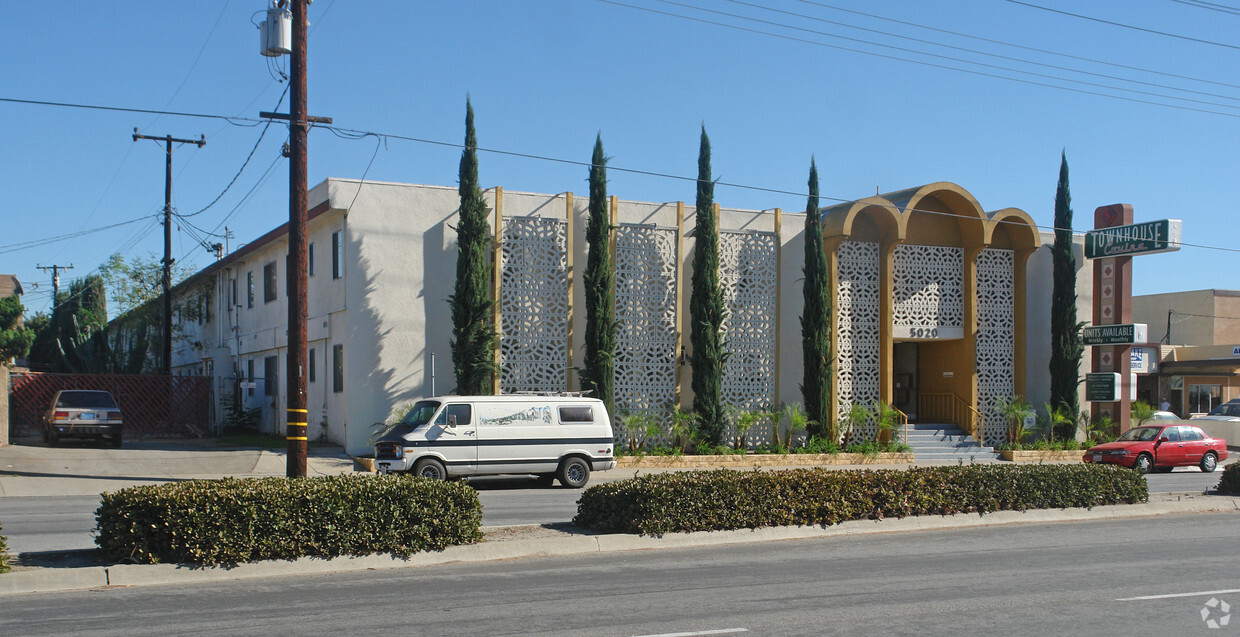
(166, 364)
(299, 126)
(56, 280)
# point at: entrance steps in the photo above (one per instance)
(938, 443)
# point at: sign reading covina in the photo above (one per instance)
(1141, 238)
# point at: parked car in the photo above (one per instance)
(83, 413)
(1162, 415)
(1161, 447)
(1229, 410)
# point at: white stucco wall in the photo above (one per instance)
(1038, 316)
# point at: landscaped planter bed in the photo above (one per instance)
(762, 460)
(1033, 455)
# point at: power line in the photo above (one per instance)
(1125, 26)
(34, 243)
(1212, 6)
(119, 109)
(1019, 46)
(920, 62)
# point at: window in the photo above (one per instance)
(1191, 433)
(576, 414)
(310, 260)
(232, 291)
(460, 412)
(270, 375)
(1172, 434)
(269, 282)
(249, 376)
(311, 364)
(1202, 398)
(249, 286)
(337, 256)
(337, 368)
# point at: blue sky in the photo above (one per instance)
(1145, 118)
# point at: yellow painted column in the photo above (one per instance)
(681, 310)
(779, 251)
(496, 262)
(886, 315)
(568, 275)
(968, 384)
(831, 247)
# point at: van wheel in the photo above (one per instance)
(574, 473)
(430, 468)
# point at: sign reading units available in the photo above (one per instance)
(1120, 334)
(1102, 387)
(1150, 237)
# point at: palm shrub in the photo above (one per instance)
(682, 427)
(798, 421)
(1140, 412)
(884, 416)
(1015, 410)
(857, 417)
(745, 421)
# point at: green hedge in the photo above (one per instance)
(4, 553)
(1229, 484)
(723, 499)
(240, 520)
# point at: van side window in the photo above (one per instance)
(462, 413)
(577, 414)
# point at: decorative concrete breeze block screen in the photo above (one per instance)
(646, 266)
(929, 286)
(996, 337)
(748, 273)
(856, 302)
(534, 305)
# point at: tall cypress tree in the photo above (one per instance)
(473, 330)
(599, 371)
(1066, 345)
(816, 320)
(706, 309)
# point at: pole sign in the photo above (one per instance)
(1119, 334)
(1102, 387)
(1150, 237)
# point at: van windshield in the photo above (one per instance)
(418, 415)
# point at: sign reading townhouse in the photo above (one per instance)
(1150, 237)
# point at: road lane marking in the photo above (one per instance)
(721, 631)
(1173, 595)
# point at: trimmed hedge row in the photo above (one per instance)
(724, 499)
(1229, 484)
(234, 520)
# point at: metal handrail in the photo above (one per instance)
(902, 418)
(955, 409)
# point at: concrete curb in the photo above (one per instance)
(571, 543)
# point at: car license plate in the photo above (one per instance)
(86, 416)
(1097, 457)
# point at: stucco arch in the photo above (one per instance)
(1012, 228)
(941, 204)
(844, 220)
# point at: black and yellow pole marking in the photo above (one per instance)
(295, 435)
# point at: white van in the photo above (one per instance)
(552, 436)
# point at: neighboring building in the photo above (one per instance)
(1197, 338)
(934, 297)
(9, 285)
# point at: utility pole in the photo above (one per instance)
(299, 127)
(55, 279)
(166, 366)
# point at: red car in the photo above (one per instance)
(1162, 447)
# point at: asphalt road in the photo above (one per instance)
(1141, 576)
(65, 523)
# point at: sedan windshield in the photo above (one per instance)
(1139, 434)
(85, 400)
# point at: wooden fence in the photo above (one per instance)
(153, 406)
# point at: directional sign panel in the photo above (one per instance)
(1119, 334)
(1102, 387)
